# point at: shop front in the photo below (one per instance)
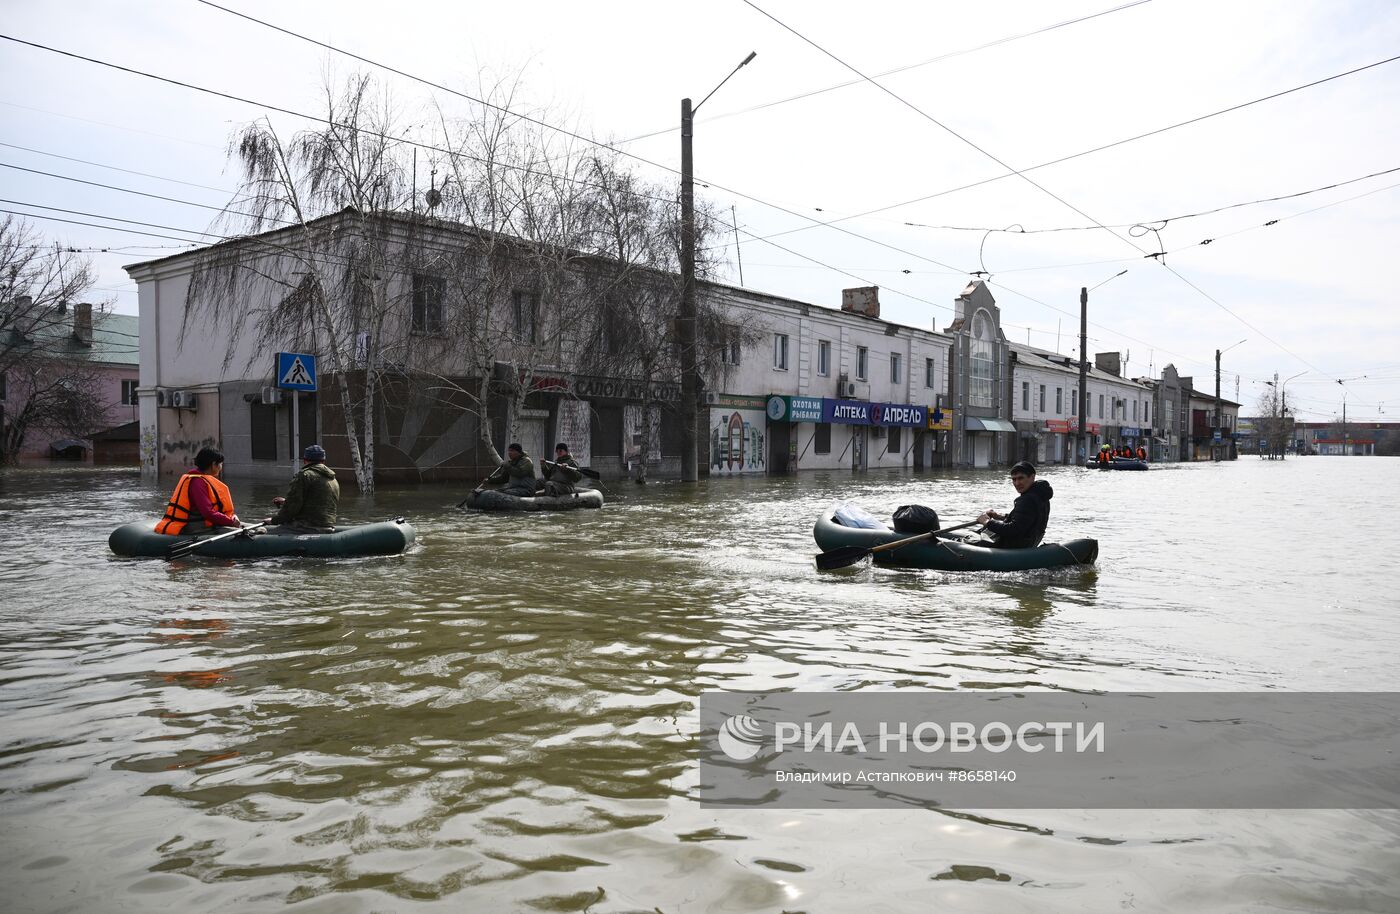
(818, 432)
(738, 435)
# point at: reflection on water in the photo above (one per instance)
(503, 717)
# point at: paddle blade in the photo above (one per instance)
(841, 558)
(590, 473)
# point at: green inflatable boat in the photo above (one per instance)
(384, 538)
(492, 500)
(950, 554)
(1118, 463)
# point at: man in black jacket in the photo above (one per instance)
(1025, 526)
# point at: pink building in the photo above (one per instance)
(100, 353)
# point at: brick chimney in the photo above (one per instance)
(82, 323)
(865, 300)
(1111, 362)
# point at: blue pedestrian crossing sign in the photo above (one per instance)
(296, 371)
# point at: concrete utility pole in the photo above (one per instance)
(1215, 426)
(1084, 362)
(1215, 429)
(685, 330)
(1083, 369)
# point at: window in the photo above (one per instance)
(1135, 410)
(982, 374)
(1059, 400)
(892, 442)
(824, 358)
(1074, 402)
(1026, 396)
(605, 431)
(129, 393)
(526, 304)
(729, 346)
(929, 373)
(896, 366)
(262, 429)
(862, 363)
(821, 439)
(671, 426)
(1100, 406)
(1041, 398)
(428, 292)
(780, 351)
(1146, 412)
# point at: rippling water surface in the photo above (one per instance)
(503, 719)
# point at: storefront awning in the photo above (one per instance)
(986, 424)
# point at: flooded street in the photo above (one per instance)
(503, 718)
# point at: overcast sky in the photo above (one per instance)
(1017, 82)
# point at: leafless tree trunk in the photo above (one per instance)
(323, 280)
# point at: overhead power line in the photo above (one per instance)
(144, 174)
(916, 109)
(456, 153)
(903, 69)
(1086, 152)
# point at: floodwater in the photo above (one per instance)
(503, 719)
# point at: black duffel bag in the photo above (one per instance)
(914, 519)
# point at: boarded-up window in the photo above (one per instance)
(670, 433)
(606, 437)
(821, 440)
(263, 431)
(893, 442)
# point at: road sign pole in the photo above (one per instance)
(296, 426)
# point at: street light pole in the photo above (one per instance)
(690, 375)
(1215, 428)
(1083, 370)
(1084, 362)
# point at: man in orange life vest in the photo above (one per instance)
(201, 500)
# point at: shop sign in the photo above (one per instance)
(940, 420)
(591, 388)
(739, 401)
(1130, 431)
(794, 409)
(904, 414)
(846, 412)
(1058, 426)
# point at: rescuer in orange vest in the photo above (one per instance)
(201, 500)
(1141, 453)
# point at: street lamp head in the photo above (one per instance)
(752, 55)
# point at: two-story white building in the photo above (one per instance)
(1118, 410)
(820, 388)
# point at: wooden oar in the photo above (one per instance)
(183, 549)
(590, 473)
(849, 555)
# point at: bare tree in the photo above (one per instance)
(318, 260)
(636, 293)
(47, 382)
(1272, 424)
(517, 282)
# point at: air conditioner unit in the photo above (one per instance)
(184, 399)
(846, 389)
(163, 397)
(271, 396)
(711, 398)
